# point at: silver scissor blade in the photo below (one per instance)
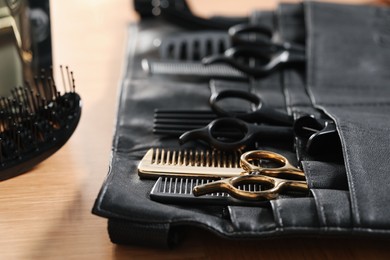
(191, 69)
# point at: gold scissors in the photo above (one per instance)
(272, 180)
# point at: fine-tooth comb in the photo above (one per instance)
(178, 190)
(176, 122)
(191, 69)
(190, 163)
(35, 121)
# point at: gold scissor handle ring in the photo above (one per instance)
(247, 157)
(285, 168)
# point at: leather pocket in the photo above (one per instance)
(348, 79)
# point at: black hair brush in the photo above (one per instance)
(35, 121)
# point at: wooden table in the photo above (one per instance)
(46, 213)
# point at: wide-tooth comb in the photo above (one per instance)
(178, 190)
(181, 55)
(194, 46)
(35, 121)
(196, 163)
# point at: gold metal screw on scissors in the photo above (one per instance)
(272, 180)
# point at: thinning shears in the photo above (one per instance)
(272, 180)
(255, 42)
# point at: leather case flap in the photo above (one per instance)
(348, 76)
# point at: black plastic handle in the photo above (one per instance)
(261, 114)
(235, 134)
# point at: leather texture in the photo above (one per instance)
(349, 81)
(345, 78)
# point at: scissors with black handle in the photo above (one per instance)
(235, 130)
(233, 133)
(272, 180)
(261, 113)
(246, 35)
(183, 120)
(270, 55)
(228, 133)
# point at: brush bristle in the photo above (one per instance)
(34, 116)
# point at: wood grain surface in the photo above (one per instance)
(46, 213)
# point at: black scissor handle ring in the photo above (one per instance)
(244, 129)
(216, 97)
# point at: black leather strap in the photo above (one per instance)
(141, 234)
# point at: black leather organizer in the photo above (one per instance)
(346, 79)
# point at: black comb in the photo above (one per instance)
(188, 69)
(35, 121)
(181, 55)
(178, 190)
(194, 46)
(176, 122)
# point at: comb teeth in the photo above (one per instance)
(191, 69)
(163, 162)
(182, 185)
(196, 158)
(194, 46)
(178, 190)
(173, 185)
